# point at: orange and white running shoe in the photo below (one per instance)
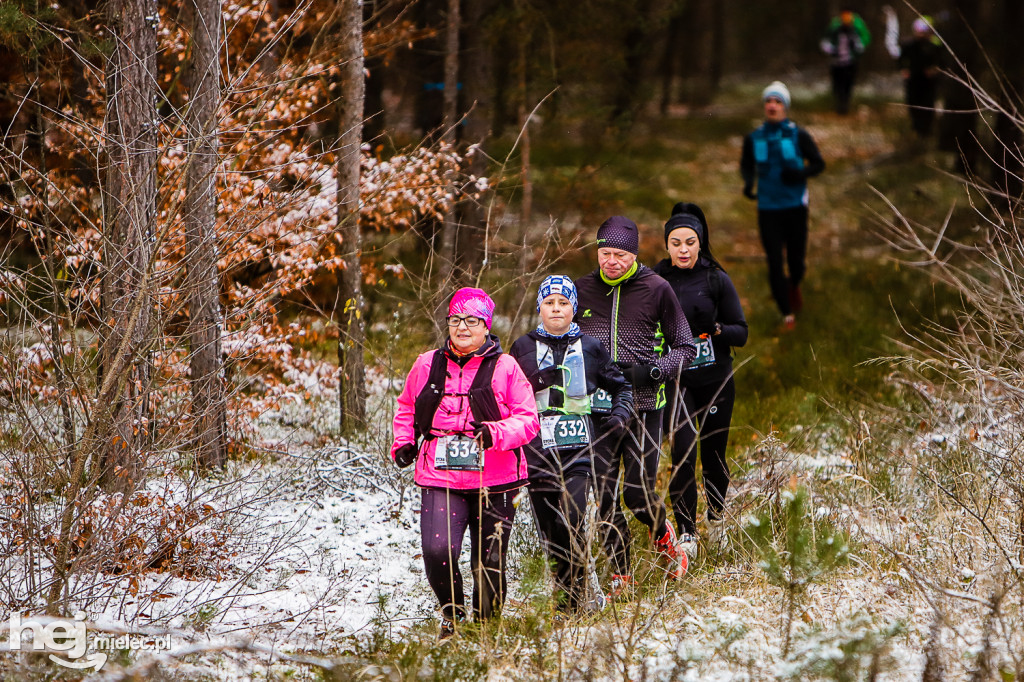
(675, 558)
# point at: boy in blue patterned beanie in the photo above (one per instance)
(558, 284)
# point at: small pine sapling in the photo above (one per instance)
(795, 550)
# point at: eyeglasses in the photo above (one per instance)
(470, 321)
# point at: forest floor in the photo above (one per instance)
(326, 571)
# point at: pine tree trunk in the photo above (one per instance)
(702, 58)
(476, 79)
(1009, 141)
(957, 129)
(129, 216)
(209, 403)
(669, 60)
(646, 27)
(715, 67)
(526, 206)
(352, 335)
(525, 144)
(450, 230)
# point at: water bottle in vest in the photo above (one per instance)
(574, 380)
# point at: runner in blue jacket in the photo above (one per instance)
(779, 157)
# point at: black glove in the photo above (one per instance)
(483, 434)
(791, 176)
(748, 191)
(614, 427)
(549, 376)
(642, 375)
(406, 455)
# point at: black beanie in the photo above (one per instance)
(685, 220)
(619, 232)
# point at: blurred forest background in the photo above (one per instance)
(253, 145)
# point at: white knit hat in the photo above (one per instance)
(777, 89)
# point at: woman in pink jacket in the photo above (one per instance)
(463, 415)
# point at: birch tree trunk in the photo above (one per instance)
(129, 216)
(352, 334)
(209, 402)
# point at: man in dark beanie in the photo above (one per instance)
(636, 316)
(619, 232)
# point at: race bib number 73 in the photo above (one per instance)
(705, 352)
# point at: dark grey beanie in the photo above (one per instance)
(619, 232)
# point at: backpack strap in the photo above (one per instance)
(482, 402)
(429, 399)
(788, 139)
(789, 145)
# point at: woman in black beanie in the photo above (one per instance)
(700, 400)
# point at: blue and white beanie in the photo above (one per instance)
(778, 90)
(558, 284)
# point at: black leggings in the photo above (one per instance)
(634, 459)
(444, 517)
(920, 93)
(706, 410)
(561, 521)
(842, 86)
(785, 229)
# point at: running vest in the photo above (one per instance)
(482, 402)
(578, 404)
(774, 150)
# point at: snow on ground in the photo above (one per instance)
(330, 553)
(330, 559)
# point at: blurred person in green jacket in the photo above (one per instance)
(845, 40)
